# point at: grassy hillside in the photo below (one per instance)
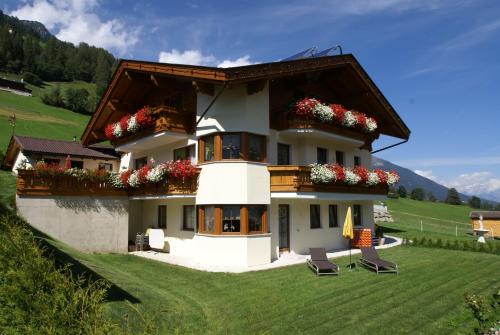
(438, 220)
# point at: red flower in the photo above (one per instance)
(108, 131)
(361, 119)
(182, 169)
(144, 118)
(382, 176)
(339, 172)
(362, 172)
(142, 173)
(124, 177)
(67, 163)
(124, 123)
(338, 112)
(303, 108)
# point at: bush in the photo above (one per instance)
(485, 312)
(78, 100)
(54, 97)
(38, 298)
(32, 79)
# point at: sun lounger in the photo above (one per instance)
(320, 264)
(370, 259)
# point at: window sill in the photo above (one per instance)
(234, 235)
(233, 161)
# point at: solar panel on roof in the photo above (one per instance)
(303, 54)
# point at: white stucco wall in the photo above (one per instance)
(233, 183)
(302, 237)
(91, 224)
(234, 110)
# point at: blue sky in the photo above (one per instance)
(436, 61)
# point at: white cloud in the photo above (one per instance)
(75, 21)
(476, 183)
(196, 57)
(427, 174)
(245, 60)
(451, 161)
(474, 36)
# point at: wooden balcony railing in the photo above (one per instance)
(284, 121)
(166, 119)
(293, 178)
(29, 183)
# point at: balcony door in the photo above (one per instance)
(284, 227)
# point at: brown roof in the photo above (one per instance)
(57, 148)
(242, 74)
(487, 215)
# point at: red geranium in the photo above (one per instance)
(142, 173)
(360, 119)
(382, 176)
(362, 172)
(338, 112)
(124, 123)
(182, 169)
(108, 131)
(303, 108)
(124, 177)
(339, 172)
(144, 118)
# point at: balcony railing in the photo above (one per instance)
(294, 178)
(166, 119)
(30, 183)
(284, 121)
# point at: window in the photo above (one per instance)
(339, 157)
(333, 218)
(140, 162)
(184, 153)
(283, 154)
(356, 216)
(357, 161)
(231, 219)
(188, 218)
(322, 156)
(208, 145)
(255, 147)
(231, 146)
(51, 161)
(162, 216)
(315, 216)
(209, 219)
(255, 216)
(77, 164)
(105, 166)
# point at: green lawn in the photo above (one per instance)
(426, 297)
(7, 187)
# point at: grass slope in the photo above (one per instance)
(426, 297)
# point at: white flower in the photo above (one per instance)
(373, 179)
(351, 178)
(392, 178)
(323, 113)
(133, 180)
(156, 174)
(321, 174)
(117, 130)
(132, 125)
(371, 124)
(114, 179)
(349, 119)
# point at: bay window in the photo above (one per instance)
(232, 146)
(232, 219)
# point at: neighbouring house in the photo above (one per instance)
(18, 87)
(491, 222)
(23, 152)
(227, 166)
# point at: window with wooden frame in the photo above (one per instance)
(333, 217)
(76, 164)
(321, 155)
(162, 217)
(105, 166)
(140, 162)
(188, 217)
(283, 154)
(339, 157)
(315, 216)
(232, 219)
(232, 146)
(356, 215)
(183, 153)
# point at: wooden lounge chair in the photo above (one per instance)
(320, 264)
(370, 259)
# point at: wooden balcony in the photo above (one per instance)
(29, 183)
(294, 178)
(166, 119)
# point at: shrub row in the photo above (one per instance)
(488, 247)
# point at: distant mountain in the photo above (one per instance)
(37, 28)
(411, 180)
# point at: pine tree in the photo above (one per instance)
(402, 191)
(475, 202)
(417, 194)
(453, 198)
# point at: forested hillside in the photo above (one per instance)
(27, 48)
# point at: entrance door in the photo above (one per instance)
(284, 227)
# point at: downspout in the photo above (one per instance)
(390, 146)
(211, 104)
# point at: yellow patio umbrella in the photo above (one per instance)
(348, 232)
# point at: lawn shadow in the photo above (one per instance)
(62, 259)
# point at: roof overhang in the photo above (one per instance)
(127, 69)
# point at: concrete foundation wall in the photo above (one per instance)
(90, 224)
